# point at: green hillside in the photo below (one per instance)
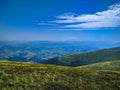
(110, 65)
(28, 76)
(87, 58)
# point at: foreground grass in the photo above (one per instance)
(28, 76)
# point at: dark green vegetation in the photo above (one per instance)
(110, 65)
(87, 58)
(28, 76)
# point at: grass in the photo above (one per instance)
(29, 76)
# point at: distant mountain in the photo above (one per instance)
(28, 76)
(37, 51)
(87, 58)
(110, 65)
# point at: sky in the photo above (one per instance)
(60, 20)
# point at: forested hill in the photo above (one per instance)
(87, 58)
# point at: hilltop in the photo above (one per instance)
(109, 65)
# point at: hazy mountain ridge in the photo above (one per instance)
(37, 51)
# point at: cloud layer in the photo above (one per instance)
(105, 19)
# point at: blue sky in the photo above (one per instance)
(60, 20)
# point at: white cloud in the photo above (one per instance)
(104, 19)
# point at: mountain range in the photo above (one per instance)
(38, 51)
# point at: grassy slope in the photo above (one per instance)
(110, 65)
(87, 58)
(28, 76)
